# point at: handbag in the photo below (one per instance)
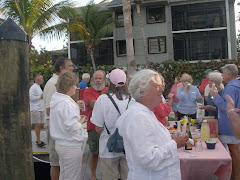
(115, 142)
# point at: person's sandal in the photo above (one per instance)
(41, 145)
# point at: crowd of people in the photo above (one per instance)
(136, 109)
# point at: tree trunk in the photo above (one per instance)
(31, 81)
(138, 5)
(91, 53)
(129, 37)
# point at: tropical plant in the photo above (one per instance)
(90, 25)
(129, 37)
(36, 16)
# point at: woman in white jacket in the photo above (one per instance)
(66, 127)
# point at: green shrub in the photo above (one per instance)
(169, 69)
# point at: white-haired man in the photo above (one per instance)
(151, 151)
(84, 81)
(36, 108)
(90, 96)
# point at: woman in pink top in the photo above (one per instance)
(163, 110)
(175, 99)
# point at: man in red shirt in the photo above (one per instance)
(205, 81)
(90, 96)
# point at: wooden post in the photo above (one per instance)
(16, 162)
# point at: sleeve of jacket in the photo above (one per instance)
(146, 151)
(72, 120)
(221, 101)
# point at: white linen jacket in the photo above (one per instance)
(150, 151)
(65, 126)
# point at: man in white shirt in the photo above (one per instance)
(151, 151)
(61, 64)
(36, 108)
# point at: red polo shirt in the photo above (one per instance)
(89, 95)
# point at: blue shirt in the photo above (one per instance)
(82, 85)
(233, 90)
(188, 100)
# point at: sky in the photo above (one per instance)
(58, 44)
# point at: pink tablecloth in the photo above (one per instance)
(206, 163)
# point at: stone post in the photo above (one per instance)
(16, 161)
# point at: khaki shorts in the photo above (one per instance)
(53, 155)
(37, 117)
(93, 141)
(112, 167)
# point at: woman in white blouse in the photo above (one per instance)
(66, 127)
(151, 151)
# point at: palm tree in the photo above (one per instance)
(129, 37)
(90, 25)
(35, 16)
(138, 6)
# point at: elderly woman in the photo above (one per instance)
(104, 117)
(66, 127)
(188, 96)
(215, 82)
(151, 151)
(229, 74)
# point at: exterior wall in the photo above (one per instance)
(151, 30)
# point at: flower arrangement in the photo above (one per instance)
(186, 120)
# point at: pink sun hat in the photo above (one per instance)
(117, 77)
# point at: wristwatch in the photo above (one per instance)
(230, 110)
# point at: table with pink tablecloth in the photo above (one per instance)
(206, 163)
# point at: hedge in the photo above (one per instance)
(169, 69)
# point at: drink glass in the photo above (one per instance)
(83, 109)
(198, 146)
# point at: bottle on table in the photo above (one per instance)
(178, 126)
(205, 131)
(189, 145)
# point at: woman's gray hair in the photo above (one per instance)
(140, 82)
(187, 78)
(231, 69)
(215, 76)
(65, 81)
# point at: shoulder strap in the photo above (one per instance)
(114, 103)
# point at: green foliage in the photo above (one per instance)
(40, 59)
(170, 69)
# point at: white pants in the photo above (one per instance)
(70, 160)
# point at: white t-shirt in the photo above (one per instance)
(49, 90)
(151, 153)
(36, 103)
(105, 112)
